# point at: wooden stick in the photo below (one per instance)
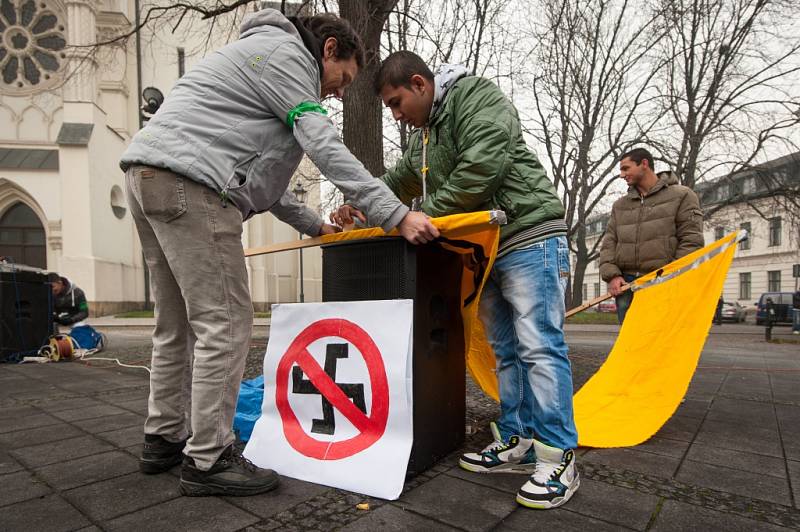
(284, 246)
(593, 302)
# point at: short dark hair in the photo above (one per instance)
(397, 69)
(638, 155)
(348, 43)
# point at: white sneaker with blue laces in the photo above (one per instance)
(499, 456)
(554, 480)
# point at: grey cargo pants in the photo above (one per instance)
(204, 316)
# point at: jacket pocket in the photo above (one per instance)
(163, 194)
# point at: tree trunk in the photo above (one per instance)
(581, 261)
(363, 123)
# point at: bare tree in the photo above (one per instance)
(593, 98)
(726, 92)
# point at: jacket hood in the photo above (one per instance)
(443, 79)
(665, 179)
(258, 21)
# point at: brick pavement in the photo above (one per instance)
(729, 459)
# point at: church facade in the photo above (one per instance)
(68, 108)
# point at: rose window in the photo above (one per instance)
(32, 45)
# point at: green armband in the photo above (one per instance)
(301, 108)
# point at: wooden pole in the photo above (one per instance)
(593, 302)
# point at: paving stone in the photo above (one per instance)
(740, 437)
(89, 412)
(666, 447)
(88, 469)
(676, 515)
(459, 503)
(27, 422)
(69, 404)
(680, 428)
(390, 518)
(61, 451)
(111, 498)
(138, 406)
(737, 411)
(754, 485)
(8, 464)
(109, 423)
(794, 479)
(48, 514)
(17, 412)
(754, 463)
(639, 461)
(561, 519)
(197, 514)
(290, 493)
(695, 408)
(126, 437)
(125, 396)
(24, 438)
(20, 486)
(602, 501)
(788, 419)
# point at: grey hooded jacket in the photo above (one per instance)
(237, 124)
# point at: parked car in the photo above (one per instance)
(733, 312)
(781, 301)
(609, 305)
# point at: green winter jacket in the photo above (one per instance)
(477, 160)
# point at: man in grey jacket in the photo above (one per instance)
(222, 148)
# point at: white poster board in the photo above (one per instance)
(337, 395)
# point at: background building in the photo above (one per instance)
(765, 201)
(67, 112)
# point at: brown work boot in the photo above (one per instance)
(232, 474)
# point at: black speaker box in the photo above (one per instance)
(24, 312)
(391, 268)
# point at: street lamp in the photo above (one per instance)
(300, 193)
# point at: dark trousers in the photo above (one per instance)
(625, 299)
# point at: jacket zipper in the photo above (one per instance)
(638, 226)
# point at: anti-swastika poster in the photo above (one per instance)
(337, 395)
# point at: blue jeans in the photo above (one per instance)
(522, 309)
(625, 299)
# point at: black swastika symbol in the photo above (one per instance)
(327, 425)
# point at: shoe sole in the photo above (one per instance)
(524, 469)
(153, 467)
(196, 489)
(547, 505)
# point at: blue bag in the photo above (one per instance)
(248, 407)
(87, 337)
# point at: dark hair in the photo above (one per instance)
(397, 69)
(638, 155)
(348, 43)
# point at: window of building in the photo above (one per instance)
(22, 236)
(749, 185)
(745, 284)
(596, 289)
(745, 244)
(719, 232)
(775, 231)
(774, 281)
(181, 62)
(585, 290)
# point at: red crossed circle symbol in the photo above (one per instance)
(370, 428)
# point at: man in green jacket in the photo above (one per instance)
(656, 222)
(468, 154)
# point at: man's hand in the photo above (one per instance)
(615, 286)
(328, 229)
(417, 228)
(345, 215)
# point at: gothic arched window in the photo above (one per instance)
(22, 236)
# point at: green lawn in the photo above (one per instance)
(594, 318)
(149, 314)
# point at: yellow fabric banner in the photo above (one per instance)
(647, 373)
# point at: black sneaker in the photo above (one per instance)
(232, 474)
(160, 455)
